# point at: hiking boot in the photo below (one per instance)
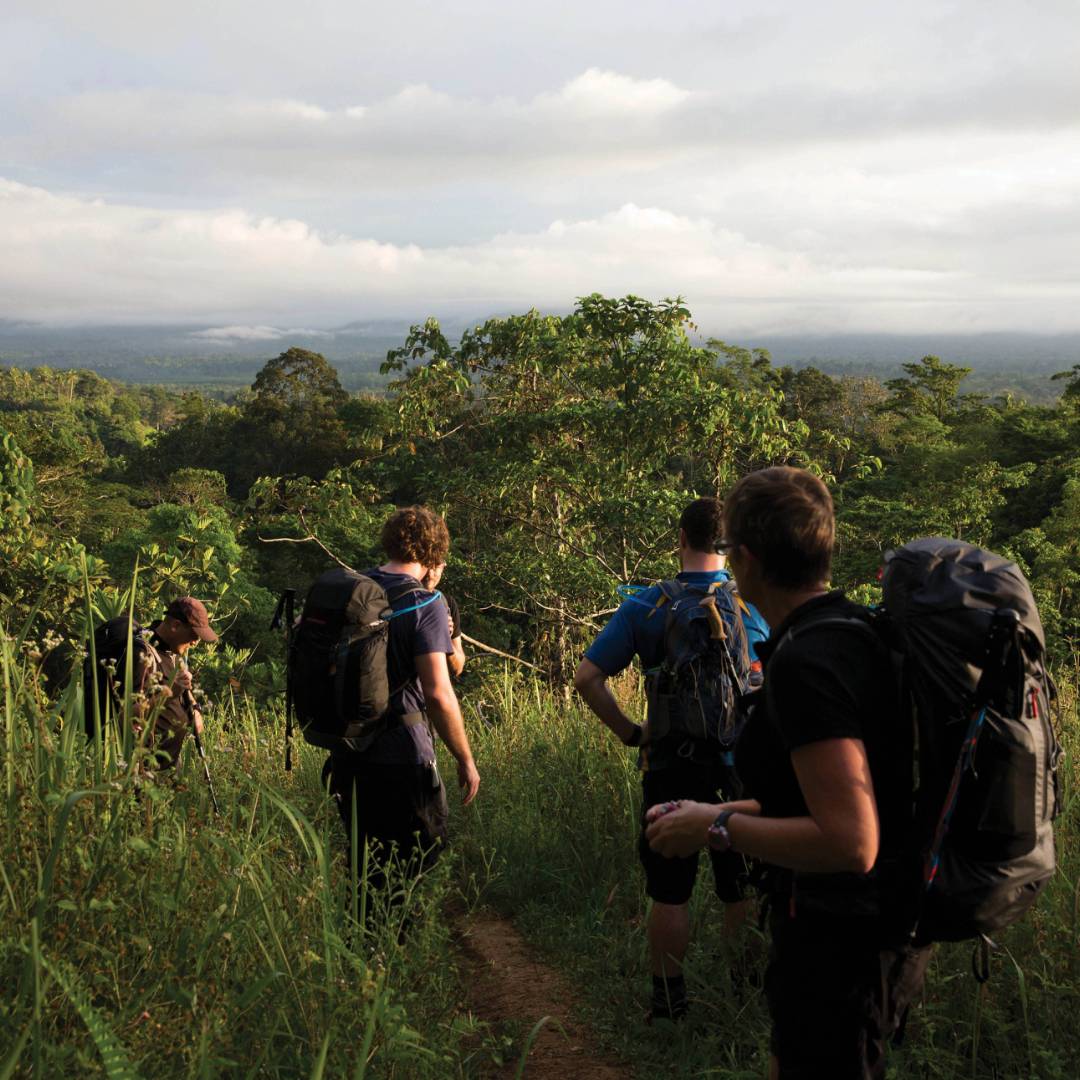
(674, 1012)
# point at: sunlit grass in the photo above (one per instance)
(140, 934)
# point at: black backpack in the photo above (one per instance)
(706, 669)
(337, 677)
(109, 648)
(968, 651)
(974, 674)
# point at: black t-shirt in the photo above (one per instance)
(455, 614)
(828, 682)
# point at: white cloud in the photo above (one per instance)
(598, 123)
(75, 260)
(256, 165)
(231, 335)
(607, 93)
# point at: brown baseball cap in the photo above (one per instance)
(192, 612)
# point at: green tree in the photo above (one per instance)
(41, 571)
(929, 389)
(292, 425)
(563, 449)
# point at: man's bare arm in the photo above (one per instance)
(455, 661)
(445, 713)
(591, 683)
(841, 832)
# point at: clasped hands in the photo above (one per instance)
(679, 828)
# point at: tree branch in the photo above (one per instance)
(499, 652)
(539, 529)
(311, 538)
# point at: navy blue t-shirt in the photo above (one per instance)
(420, 627)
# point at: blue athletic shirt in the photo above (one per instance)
(413, 633)
(637, 629)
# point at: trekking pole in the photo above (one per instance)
(206, 772)
(188, 698)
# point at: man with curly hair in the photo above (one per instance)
(400, 799)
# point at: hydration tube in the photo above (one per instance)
(631, 593)
(435, 595)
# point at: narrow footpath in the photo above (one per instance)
(508, 984)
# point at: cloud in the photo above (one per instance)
(87, 260)
(598, 123)
(231, 335)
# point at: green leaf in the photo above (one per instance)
(113, 1055)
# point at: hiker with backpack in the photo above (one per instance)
(161, 682)
(868, 866)
(696, 640)
(369, 675)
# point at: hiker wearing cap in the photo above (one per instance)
(163, 681)
(392, 787)
(685, 744)
(825, 761)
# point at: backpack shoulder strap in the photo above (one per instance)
(395, 594)
(670, 591)
(728, 589)
(854, 623)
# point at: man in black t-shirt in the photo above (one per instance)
(455, 660)
(827, 771)
(400, 800)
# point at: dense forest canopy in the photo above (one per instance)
(560, 449)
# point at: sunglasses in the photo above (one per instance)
(724, 546)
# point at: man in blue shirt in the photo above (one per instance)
(674, 764)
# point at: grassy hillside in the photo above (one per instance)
(142, 935)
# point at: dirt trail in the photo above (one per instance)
(509, 983)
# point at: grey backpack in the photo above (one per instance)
(973, 674)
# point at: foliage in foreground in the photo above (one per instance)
(142, 936)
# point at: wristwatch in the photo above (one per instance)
(719, 837)
(635, 737)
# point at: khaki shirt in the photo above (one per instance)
(158, 669)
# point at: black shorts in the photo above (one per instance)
(836, 997)
(671, 881)
(401, 812)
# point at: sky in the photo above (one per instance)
(784, 166)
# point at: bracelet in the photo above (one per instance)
(635, 737)
(719, 837)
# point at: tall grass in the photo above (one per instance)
(553, 843)
(141, 935)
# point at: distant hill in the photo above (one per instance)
(1020, 364)
(228, 357)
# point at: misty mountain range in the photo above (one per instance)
(229, 356)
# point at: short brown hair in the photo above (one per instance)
(785, 517)
(416, 534)
(703, 523)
